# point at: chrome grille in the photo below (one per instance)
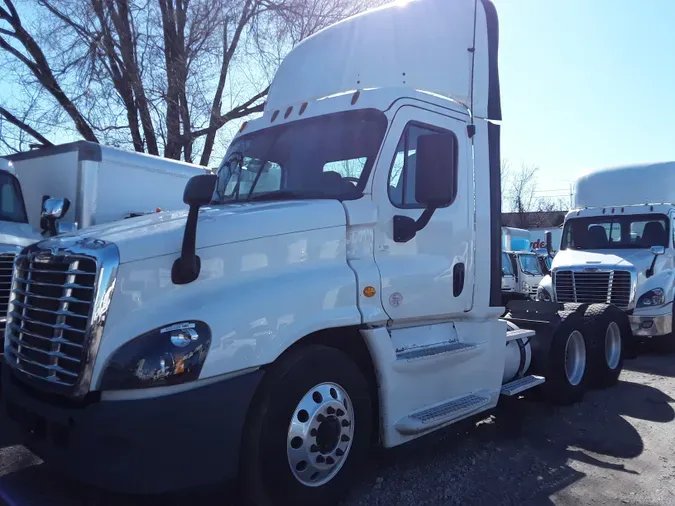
(6, 266)
(591, 287)
(49, 314)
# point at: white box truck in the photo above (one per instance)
(102, 183)
(525, 263)
(617, 247)
(276, 334)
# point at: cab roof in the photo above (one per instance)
(419, 44)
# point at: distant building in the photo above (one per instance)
(540, 219)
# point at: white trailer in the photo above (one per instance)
(617, 247)
(276, 334)
(103, 184)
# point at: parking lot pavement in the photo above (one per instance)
(616, 447)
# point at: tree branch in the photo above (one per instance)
(238, 112)
(25, 127)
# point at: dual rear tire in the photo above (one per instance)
(586, 351)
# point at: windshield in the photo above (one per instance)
(507, 269)
(530, 264)
(325, 157)
(11, 200)
(616, 232)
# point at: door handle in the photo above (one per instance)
(458, 279)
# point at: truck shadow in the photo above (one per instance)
(518, 454)
(653, 361)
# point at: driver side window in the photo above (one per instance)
(403, 170)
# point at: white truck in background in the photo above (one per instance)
(617, 247)
(278, 333)
(61, 188)
(524, 262)
(15, 232)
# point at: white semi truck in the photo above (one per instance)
(617, 247)
(276, 334)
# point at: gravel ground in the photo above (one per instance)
(614, 448)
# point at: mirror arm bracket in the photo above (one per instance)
(187, 266)
(405, 228)
(650, 271)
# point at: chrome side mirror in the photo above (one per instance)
(55, 208)
(656, 251)
(52, 209)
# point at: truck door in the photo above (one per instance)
(431, 275)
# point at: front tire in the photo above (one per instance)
(309, 429)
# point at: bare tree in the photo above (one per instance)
(158, 76)
(519, 188)
(521, 197)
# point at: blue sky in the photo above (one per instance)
(586, 84)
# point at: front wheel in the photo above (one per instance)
(309, 429)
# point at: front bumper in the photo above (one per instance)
(652, 325)
(143, 446)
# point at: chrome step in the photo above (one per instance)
(519, 334)
(522, 384)
(437, 349)
(440, 414)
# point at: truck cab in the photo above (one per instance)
(617, 247)
(15, 232)
(623, 256)
(528, 274)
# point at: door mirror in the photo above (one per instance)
(55, 209)
(52, 209)
(657, 250)
(436, 173)
(548, 237)
(199, 190)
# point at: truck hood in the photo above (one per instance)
(640, 259)
(18, 234)
(162, 233)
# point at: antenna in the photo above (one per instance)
(471, 129)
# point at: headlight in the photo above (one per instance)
(543, 295)
(165, 356)
(655, 297)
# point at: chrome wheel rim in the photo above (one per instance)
(575, 358)
(320, 434)
(612, 345)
